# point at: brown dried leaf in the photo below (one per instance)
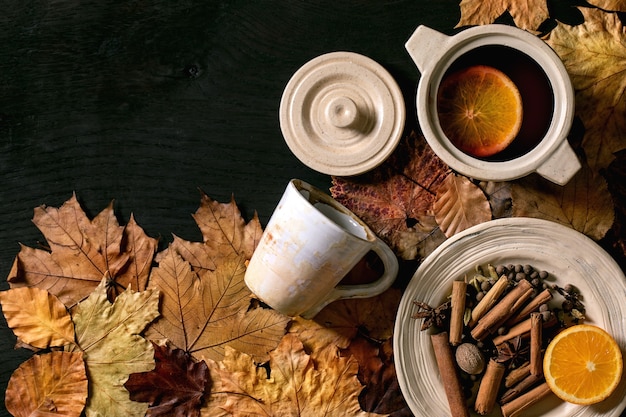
(395, 199)
(224, 230)
(176, 386)
(377, 372)
(584, 204)
(610, 5)
(340, 322)
(594, 54)
(37, 317)
(203, 314)
(459, 205)
(81, 252)
(298, 386)
(50, 384)
(527, 14)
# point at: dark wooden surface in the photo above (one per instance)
(146, 102)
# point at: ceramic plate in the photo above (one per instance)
(569, 256)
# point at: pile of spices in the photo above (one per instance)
(491, 334)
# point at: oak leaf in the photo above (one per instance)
(584, 204)
(594, 54)
(37, 317)
(204, 312)
(81, 251)
(527, 14)
(460, 204)
(49, 384)
(108, 335)
(297, 386)
(176, 386)
(395, 199)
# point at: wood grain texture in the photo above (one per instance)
(146, 102)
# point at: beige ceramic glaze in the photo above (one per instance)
(310, 243)
(434, 53)
(567, 255)
(342, 114)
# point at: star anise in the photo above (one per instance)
(432, 316)
(513, 351)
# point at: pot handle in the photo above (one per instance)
(426, 46)
(561, 166)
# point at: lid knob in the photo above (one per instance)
(342, 112)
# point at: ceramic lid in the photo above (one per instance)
(342, 114)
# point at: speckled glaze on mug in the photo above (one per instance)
(434, 53)
(310, 243)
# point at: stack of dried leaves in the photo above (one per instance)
(119, 329)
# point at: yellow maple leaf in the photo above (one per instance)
(297, 386)
(594, 54)
(527, 14)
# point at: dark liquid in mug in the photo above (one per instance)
(533, 85)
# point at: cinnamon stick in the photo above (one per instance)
(488, 388)
(521, 329)
(503, 310)
(516, 375)
(536, 355)
(519, 388)
(489, 300)
(541, 298)
(457, 304)
(521, 403)
(449, 376)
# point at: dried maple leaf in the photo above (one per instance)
(340, 322)
(584, 204)
(108, 335)
(395, 199)
(459, 205)
(49, 384)
(176, 386)
(527, 14)
(594, 54)
(297, 386)
(81, 252)
(37, 317)
(203, 314)
(224, 232)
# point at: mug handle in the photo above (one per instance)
(390, 264)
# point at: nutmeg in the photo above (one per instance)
(470, 359)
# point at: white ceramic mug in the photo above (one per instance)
(551, 155)
(310, 243)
